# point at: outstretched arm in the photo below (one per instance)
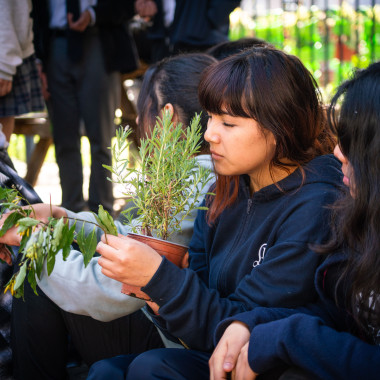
(306, 342)
(40, 212)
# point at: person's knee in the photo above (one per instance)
(148, 365)
(169, 363)
(107, 369)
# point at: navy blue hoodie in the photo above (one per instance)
(256, 254)
(320, 338)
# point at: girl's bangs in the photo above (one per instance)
(224, 89)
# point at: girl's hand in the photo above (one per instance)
(5, 255)
(242, 370)
(185, 261)
(40, 211)
(226, 354)
(155, 308)
(11, 237)
(127, 260)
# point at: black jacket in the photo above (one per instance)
(196, 22)
(321, 338)
(256, 254)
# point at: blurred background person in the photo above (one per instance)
(20, 93)
(20, 90)
(83, 46)
(185, 25)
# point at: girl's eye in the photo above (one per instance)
(228, 125)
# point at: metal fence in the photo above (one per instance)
(330, 37)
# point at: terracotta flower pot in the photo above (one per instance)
(172, 251)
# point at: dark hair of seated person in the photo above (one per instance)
(226, 48)
(173, 80)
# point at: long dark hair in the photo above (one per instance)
(276, 90)
(173, 80)
(356, 217)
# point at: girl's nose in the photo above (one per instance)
(210, 135)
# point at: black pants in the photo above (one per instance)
(82, 91)
(40, 331)
(168, 363)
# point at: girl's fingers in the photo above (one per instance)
(5, 254)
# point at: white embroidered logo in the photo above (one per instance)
(261, 255)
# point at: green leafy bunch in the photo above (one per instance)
(42, 240)
(168, 183)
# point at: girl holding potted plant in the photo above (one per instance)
(269, 144)
(101, 321)
(338, 337)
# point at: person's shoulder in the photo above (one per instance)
(324, 169)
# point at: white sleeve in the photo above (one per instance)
(10, 49)
(86, 291)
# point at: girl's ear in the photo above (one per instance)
(169, 107)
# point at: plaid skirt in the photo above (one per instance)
(26, 95)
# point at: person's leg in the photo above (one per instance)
(295, 373)
(39, 338)
(113, 368)
(8, 123)
(99, 96)
(64, 112)
(6, 272)
(170, 364)
(96, 340)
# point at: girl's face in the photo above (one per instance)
(346, 168)
(239, 146)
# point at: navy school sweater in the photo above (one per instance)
(320, 338)
(256, 254)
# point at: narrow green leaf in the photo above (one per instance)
(28, 222)
(108, 167)
(19, 293)
(11, 220)
(58, 234)
(24, 240)
(4, 192)
(81, 239)
(90, 247)
(68, 237)
(32, 280)
(105, 220)
(25, 224)
(20, 276)
(39, 262)
(50, 261)
(8, 194)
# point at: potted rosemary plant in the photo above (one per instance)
(165, 187)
